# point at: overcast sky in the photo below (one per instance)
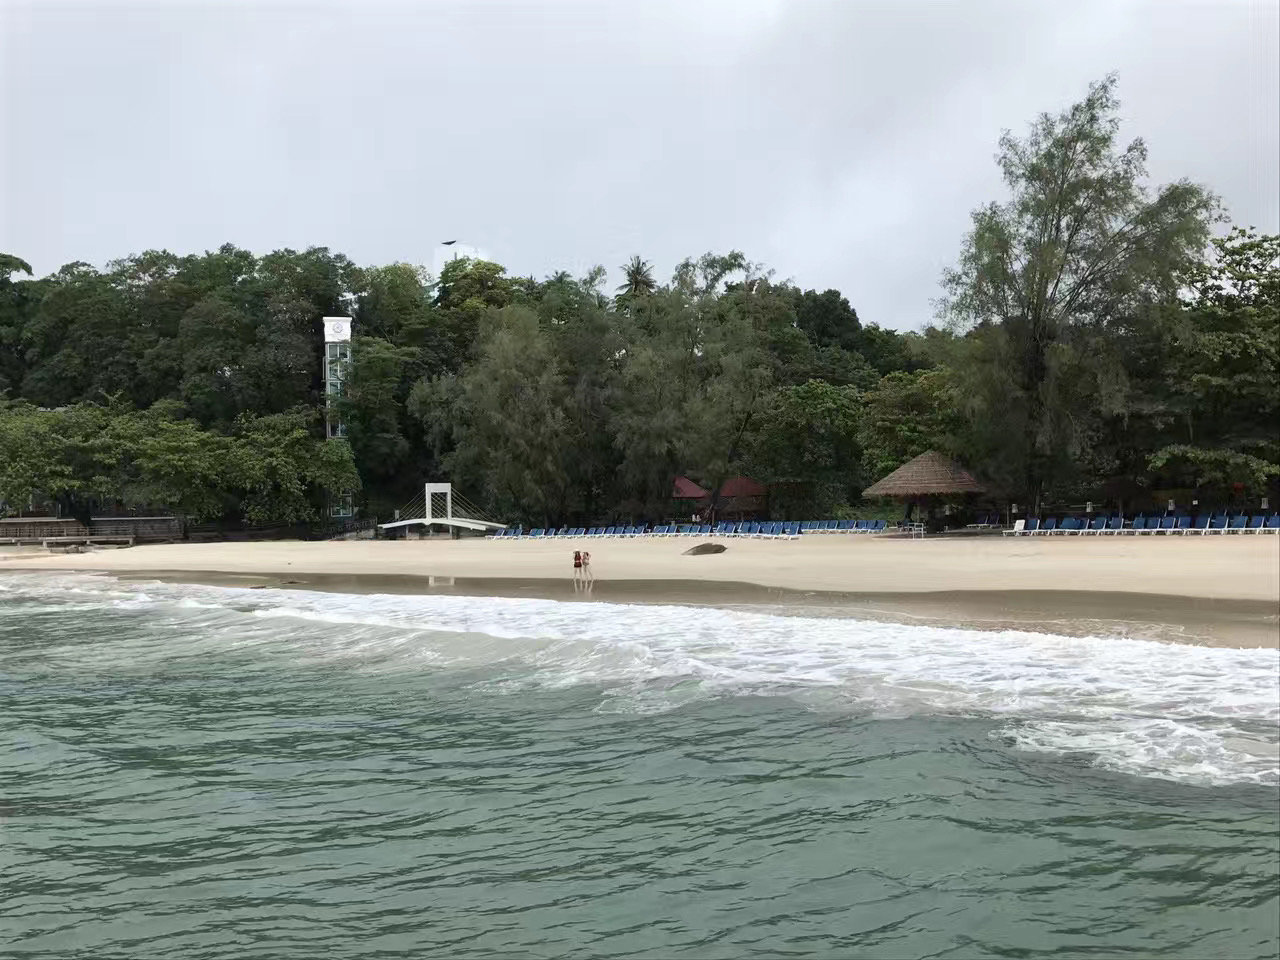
(842, 143)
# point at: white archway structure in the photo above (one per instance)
(439, 505)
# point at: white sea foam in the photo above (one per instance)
(1155, 709)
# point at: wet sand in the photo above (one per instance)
(1196, 620)
(1210, 590)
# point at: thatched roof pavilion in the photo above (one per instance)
(928, 474)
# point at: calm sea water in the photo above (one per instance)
(202, 772)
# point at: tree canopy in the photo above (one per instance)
(1098, 341)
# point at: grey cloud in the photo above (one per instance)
(842, 143)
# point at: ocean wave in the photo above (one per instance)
(1175, 711)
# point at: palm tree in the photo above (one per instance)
(638, 280)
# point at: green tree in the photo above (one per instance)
(1080, 246)
(282, 471)
(1222, 369)
(507, 418)
(805, 444)
(637, 280)
(372, 406)
(905, 415)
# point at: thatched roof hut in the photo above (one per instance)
(928, 474)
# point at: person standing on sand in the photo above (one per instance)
(586, 566)
(577, 564)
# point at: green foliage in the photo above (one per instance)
(1078, 248)
(1213, 469)
(88, 456)
(805, 443)
(1097, 346)
(905, 415)
(508, 419)
(638, 281)
(282, 470)
(1222, 367)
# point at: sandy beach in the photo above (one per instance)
(1217, 590)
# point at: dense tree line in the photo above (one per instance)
(1095, 341)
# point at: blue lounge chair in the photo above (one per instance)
(1257, 522)
(1048, 527)
(1032, 526)
(1097, 525)
(1199, 525)
(1183, 524)
(1273, 523)
(1218, 524)
(1114, 525)
(1237, 524)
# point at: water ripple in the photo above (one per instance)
(181, 776)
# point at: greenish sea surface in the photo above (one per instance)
(205, 772)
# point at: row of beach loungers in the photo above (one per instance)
(1203, 524)
(777, 531)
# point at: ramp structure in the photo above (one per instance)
(439, 505)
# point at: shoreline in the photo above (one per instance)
(1193, 620)
(1214, 592)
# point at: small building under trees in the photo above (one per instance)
(924, 481)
